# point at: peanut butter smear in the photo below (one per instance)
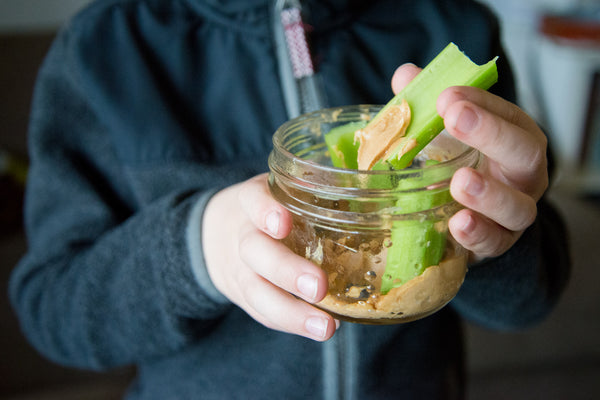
(378, 138)
(419, 297)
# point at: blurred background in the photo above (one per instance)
(554, 46)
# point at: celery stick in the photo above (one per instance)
(449, 68)
(340, 143)
(417, 244)
(404, 265)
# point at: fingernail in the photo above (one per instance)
(316, 326)
(467, 120)
(474, 185)
(272, 222)
(308, 286)
(469, 225)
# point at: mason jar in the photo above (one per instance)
(366, 228)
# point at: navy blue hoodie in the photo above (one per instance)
(142, 110)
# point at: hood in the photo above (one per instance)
(234, 6)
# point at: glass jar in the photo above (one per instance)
(366, 227)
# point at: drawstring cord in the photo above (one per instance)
(301, 85)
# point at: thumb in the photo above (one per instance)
(403, 75)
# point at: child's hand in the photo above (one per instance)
(257, 272)
(501, 195)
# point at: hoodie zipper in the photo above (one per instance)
(301, 85)
(303, 93)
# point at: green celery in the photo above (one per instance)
(451, 67)
(417, 244)
(343, 151)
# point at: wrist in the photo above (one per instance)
(195, 245)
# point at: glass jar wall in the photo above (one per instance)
(381, 236)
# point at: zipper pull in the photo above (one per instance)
(301, 85)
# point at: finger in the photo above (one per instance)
(279, 310)
(489, 101)
(403, 75)
(499, 202)
(263, 210)
(276, 263)
(494, 136)
(483, 237)
(520, 155)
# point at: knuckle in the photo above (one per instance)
(493, 245)
(536, 159)
(515, 115)
(244, 191)
(250, 195)
(246, 244)
(520, 214)
(270, 324)
(284, 277)
(245, 282)
(529, 215)
(502, 244)
(249, 287)
(496, 127)
(488, 240)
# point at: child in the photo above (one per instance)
(152, 236)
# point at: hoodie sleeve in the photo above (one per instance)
(110, 277)
(521, 287)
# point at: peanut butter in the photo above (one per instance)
(381, 136)
(417, 298)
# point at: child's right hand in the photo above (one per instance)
(254, 270)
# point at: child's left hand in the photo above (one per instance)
(501, 195)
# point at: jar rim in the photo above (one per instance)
(281, 159)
